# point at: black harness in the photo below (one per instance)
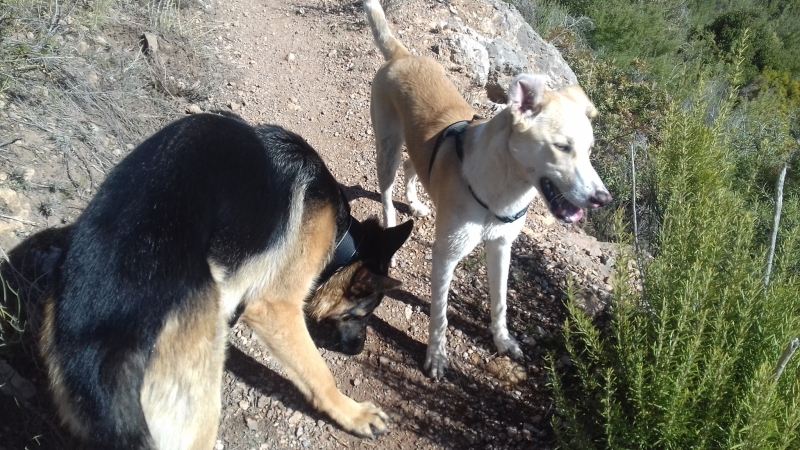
(346, 249)
(458, 129)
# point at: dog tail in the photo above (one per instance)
(390, 46)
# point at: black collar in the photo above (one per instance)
(346, 249)
(458, 129)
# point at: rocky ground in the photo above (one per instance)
(307, 66)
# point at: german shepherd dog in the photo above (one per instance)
(480, 174)
(207, 220)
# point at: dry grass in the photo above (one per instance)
(77, 93)
(75, 74)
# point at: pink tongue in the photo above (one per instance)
(576, 217)
(564, 213)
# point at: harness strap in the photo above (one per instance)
(458, 129)
(346, 249)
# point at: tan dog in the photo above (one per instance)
(480, 175)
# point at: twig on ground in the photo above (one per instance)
(10, 142)
(342, 443)
(28, 222)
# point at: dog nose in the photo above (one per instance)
(600, 198)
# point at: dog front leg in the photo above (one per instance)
(441, 275)
(282, 328)
(448, 250)
(498, 259)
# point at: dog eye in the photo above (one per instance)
(563, 147)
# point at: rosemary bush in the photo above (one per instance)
(690, 361)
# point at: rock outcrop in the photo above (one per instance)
(503, 46)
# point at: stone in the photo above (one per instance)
(193, 109)
(10, 201)
(149, 43)
(476, 359)
(28, 173)
(468, 52)
(13, 384)
(244, 404)
(295, 418)
(543, 56)
(252, 423)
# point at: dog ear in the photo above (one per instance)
(386, 284)
(366, 282)
(577, 95)
(526, 95)
(394, 238)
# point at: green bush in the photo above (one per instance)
(728, 31)
(626, 30)
(690, 361)
(630, 114)
(687, 355)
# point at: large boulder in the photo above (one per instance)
(504, 46)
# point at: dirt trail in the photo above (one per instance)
(307, 66)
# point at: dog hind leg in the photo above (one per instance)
(181, 390)
(389, 147)
(498, 259)
(418, 209)
(388, 161)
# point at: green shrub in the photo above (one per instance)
(626, 30)
(728, 31)
(690, 362)
(630, 114)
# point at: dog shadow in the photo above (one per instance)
(476, 329)
(267, 382)
(453, 413)
(356, 192)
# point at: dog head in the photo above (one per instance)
(552, 139)
(339, 310)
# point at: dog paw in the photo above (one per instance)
(509, 346)
(366, 421)
(436, 363)
(418, 209)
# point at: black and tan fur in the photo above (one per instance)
(206, 217)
